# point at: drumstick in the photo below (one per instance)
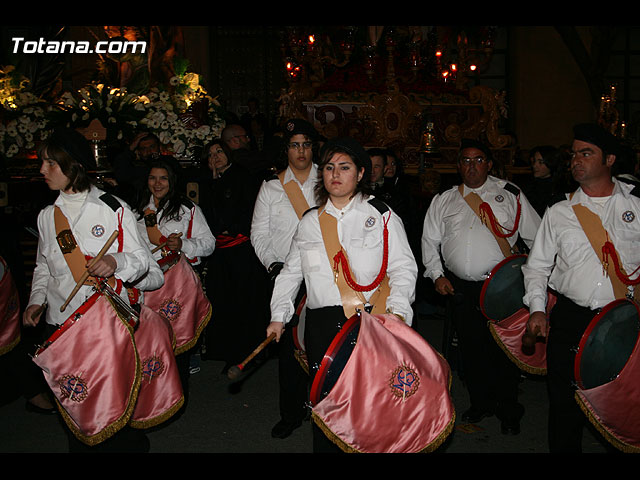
(235, 371)
(85, 275)
(38, 311)
(162, 245)
(529, 340)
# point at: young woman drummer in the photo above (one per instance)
(88, 216)
(167, 217)
(373, 240)
(180, 223)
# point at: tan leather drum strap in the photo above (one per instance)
(73, 255)
(474, 201)
(292, 189)
(153, 232)
(351, 299)
(597, 235)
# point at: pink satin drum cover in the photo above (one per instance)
(392, 395)
(182, 302)
(9, 310)
(160, 395)
(94, 371)
(613, 407)
(508, 334)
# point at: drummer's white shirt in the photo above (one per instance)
(563, 258)
(93, 224)
(200, 244)
(469, 249)
(274, 219)
(360, 227)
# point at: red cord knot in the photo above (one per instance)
(341, 259)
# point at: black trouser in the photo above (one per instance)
(568, 322)
(491, 377)
(321, 327)
(293, 381)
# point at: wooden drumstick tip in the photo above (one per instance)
(234, 372)
(529, 340)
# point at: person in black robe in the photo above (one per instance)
(235, 281)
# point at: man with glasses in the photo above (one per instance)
(458, 229)
(281, 202)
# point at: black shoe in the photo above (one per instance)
(30, 407)
(474, 415)
(283, 429)
(510, 427)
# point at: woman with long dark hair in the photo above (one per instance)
(372, 237)
(180, 222)
(172, 224)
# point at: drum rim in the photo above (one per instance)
(334, 346)
(172, 257)
(487, 281)
(5, 269)
(301, 306)
(587, 333)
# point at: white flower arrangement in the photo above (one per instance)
(24, 118)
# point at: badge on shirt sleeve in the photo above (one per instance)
(370, 222)
(499, 198)
(97, 231)
(628, 216)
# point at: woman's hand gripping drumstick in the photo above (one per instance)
(98, 266)
(169, 243)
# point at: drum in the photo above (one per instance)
(607, 373)
(300, 351)
(92, 367)
(160, 395)
(502, 291)
(181, 301)
(381, 388)
(501, 303)
(9, 310)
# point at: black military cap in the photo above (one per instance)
(298, 126)
(471, 143)
(596, 135)
(75, 145)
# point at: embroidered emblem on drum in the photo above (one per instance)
(499, 198)
(97, 230)
(152, 368)
(170, 309)
(371, 221)
(73, 387)
(404, 382)
(628, 216)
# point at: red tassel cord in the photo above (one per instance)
(485, 210)
(608, 250)
(341, 259)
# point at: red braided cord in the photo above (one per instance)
(485, 208)
(608, 250)
(340, 258)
